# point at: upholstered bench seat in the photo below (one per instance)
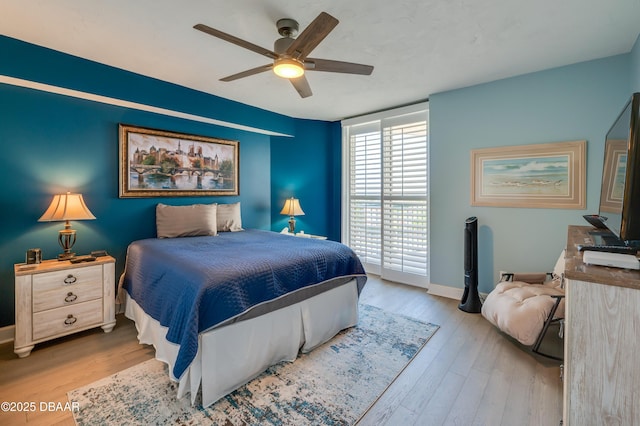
(520, 309)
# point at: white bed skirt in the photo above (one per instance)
(232, 355)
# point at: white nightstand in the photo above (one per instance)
(56, 298)
(303, 235)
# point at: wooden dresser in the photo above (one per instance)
(57, 298)
(602, 340)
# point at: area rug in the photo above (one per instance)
(335, 384)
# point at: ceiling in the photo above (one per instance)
(418, 47)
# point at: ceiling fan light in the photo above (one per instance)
(288, 68)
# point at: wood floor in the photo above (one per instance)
(467, 374)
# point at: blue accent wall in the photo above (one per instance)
(34, 63)
(563, 104)
(53, 143)
(308, 167)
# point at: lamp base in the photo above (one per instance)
(292, 225)
(65, 256)
(66, 239)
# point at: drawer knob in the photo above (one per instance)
(70, 279)
(70, 320)
(70, 297)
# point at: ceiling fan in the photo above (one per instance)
(290, 55)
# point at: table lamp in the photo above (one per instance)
(292, 208)
(66, 207)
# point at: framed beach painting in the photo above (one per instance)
(615, 166)
(550, 175)
(158, 163)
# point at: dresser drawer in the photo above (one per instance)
(67, 319)
(66, 287)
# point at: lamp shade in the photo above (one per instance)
(292, 207)
(66, 207)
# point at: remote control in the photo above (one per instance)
(85, 258)
(595, 220)
(609, 249)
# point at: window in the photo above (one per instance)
(386, 192)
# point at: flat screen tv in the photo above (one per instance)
(620, 193)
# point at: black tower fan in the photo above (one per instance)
(470, 298)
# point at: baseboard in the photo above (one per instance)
(445, 291)
(440, 290)
(7, 333)
(449, 292)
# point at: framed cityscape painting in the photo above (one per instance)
(551, 175)
(158, 163)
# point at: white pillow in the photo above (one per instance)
(229, 217)
(186, 221)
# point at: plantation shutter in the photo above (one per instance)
(386, 194)
(365, 186)
(405, 181)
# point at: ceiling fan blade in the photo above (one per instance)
(248, 73)
(237, 41)
(302, 86)
(312, 36)
(314, 64)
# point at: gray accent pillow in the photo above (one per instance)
(186, 221)
(229, 217)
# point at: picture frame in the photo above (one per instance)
(159, 163)
(547, 175)
(613, 178)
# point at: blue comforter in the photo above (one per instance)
(192, 284)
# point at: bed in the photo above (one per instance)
(220, 309)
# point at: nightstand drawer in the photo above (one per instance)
(66, 296)
(63, 320)
(67, 278)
